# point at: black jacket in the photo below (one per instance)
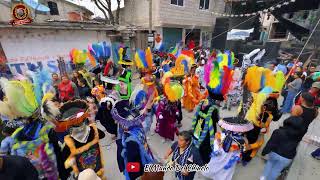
(284, 141)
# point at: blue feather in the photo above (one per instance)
(219, 58)
(185, 63)
(115, 52)
(142, 57)
(107, 51)
(263, 81)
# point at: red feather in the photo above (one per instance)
(226, 81)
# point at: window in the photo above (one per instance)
(204, 4)
(177, 2)
(53, 8)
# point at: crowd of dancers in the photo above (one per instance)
(50, 120)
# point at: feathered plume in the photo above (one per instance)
(20, 99)
(41, 81)
(78, 57)
(227, 79)
(253, 78)
(143, 59)
(138, 97)
(255, 108)
(140, 59)
(149, 57)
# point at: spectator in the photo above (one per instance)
(84, 90)
(315, 92)
(67, 89)
(293, 89)
(75, 76)
(17, 168)
(183, 153)
(55, 83)
(308, 80)
(7, 142)
(283, 143)
(281, 147)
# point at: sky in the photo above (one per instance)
(91, 6)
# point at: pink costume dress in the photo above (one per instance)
(167, 114)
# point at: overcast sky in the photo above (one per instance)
(90, 5)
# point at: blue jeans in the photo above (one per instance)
(288, 103)
(147, 122)
(274, 166)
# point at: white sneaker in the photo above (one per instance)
(262, 178)
(163, 141)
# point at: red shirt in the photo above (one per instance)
(315, 95)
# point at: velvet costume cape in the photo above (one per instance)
(204, 127)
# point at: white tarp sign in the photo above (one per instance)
(239, 34)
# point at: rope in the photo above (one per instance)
(305, 45)
(233, 27)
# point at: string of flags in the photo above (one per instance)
(270, 9)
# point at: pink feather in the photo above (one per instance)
(207, 70)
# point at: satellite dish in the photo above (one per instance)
(37, 6)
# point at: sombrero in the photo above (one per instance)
(126, 115)
(72, 113)
(235, 124)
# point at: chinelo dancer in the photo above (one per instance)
(144, 62)
(22, 101)
(262, 87)
(218, 76)
(82, 148)
(168, 111)
(132, 146)
(125, 74)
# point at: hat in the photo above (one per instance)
(235, 124)
(72, 113)
(126, 114)
(316, 85)
(88, 174)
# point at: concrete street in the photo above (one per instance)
(304, 167)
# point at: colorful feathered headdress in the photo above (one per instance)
(99, 51)
(23, 98)
(20, 99)
(217, 77)
(144, 60)
(257, 78)
(79, 57)
(176, 51)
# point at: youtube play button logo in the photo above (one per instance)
(133, 167)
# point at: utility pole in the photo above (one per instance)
(150, 34)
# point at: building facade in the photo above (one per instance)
(49, 37)
(174, 20)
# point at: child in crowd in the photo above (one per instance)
(7, 142)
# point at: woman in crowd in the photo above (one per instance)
(184, 153)
(84, 90)
(67, 89)
(293, 89)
